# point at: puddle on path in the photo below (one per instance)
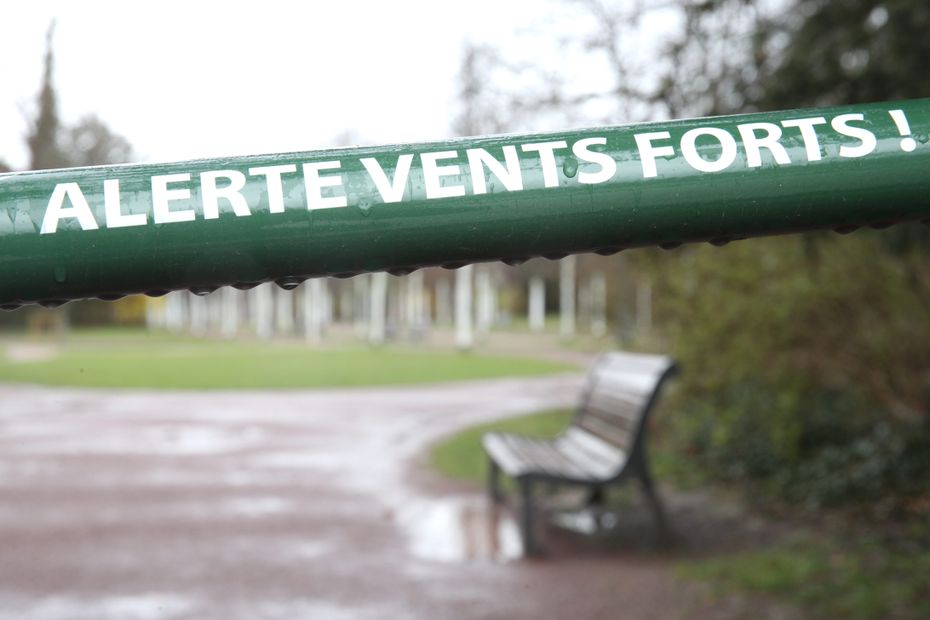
(461, 530)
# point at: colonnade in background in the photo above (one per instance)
(379, 307)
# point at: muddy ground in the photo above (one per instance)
(131, 505)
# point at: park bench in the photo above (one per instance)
(604, 445)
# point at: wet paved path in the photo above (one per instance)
(284, 505)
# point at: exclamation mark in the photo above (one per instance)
(908, 143)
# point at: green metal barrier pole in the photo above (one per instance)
(110, 231)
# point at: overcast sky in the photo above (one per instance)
(197, 79)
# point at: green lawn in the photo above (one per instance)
(830, 578)
(138, 359)
(461, 456)
(825, 574)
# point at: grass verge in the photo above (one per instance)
(137, 359)
(825, 574)
(829, 578)
(460, 456)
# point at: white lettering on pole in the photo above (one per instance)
(754, 144)
(694, 159)
(210, 194)
(315, 184)
(648, 153)
(391, 191)
(114, 211)
(606, 162)
(57, 211)
(808, 134)
(489, 163)
(433, 172)
(509, 174)
(546, 152)
(274, 184)
(868, 143)
(161, 196)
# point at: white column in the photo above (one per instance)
(213, 312)
(262, 310)
(536, 305)
(464, 336)
(175, 307)
(377, 305)
(443, 301)
(308, 319)
(347, 307)
(198, 314)
(360, 302)
(314, 309)
(415, 307)
(322, 310)
(283, 311)
(567, 297)
(230, 300)
(325, 301)
(485, 300)
(155, 312)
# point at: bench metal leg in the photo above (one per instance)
(530, 547)
(655, 504)
(595, 497)
(595, 503)
(494, 487)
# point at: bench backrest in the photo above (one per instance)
(620, 392)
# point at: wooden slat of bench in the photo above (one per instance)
(634, 364)
(618, 424)
(604, 459)
(620, 388)
(546, 456)
(607, 430)
(577, 455)
(518, 456)
(500, 452)
(613, 394)
(604, 440)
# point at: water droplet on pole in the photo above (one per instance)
(289, 284)
(61, 274)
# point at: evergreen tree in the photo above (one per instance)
(43, 139)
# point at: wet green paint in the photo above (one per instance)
(109, 231)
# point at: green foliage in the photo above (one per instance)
(807, 358)
(862, 580)
(730, 56)
(142, 360)
(807, 364)
(461, 456)
(828, 52)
